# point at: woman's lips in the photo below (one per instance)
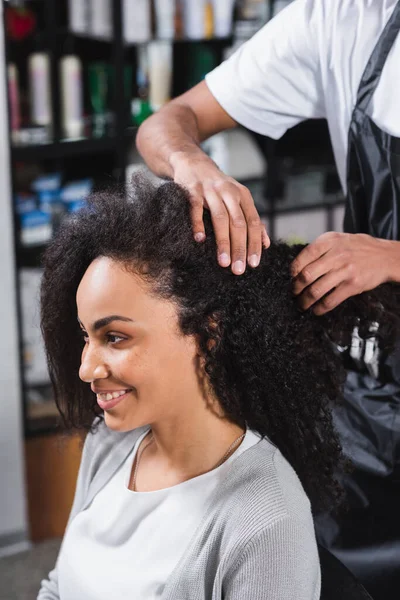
(108, 404)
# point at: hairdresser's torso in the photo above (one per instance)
(339, 60)
(315, 72)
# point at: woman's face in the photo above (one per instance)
(142, 368)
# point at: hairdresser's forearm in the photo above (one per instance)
(163, 137)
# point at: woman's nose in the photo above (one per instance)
(92, 366)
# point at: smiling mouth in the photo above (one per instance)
(107, 396)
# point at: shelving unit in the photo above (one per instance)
(105, 158)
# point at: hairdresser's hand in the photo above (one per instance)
(238, 229)
(339, 265)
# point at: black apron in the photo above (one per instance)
(367, 538)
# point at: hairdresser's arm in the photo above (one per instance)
(339, 265)
(169, 141)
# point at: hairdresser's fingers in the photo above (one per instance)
(314, 251)
(266, 242)
(231, 195)
(220, 221)
(255, 229)
(320, 288)
(337, 296)
(196, 214)
(312, 272)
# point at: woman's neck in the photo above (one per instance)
(191, 447)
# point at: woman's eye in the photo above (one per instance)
(114, 339)
(85, 336)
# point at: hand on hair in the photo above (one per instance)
(339, 265)
(239, 232)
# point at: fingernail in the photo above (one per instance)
(224, 259)
(199, 237)
(238, 267)
(254, 260)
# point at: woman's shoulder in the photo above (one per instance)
(263, 488)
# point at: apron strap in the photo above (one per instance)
(374, 68)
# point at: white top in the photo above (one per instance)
(126, 544)
(306, 63)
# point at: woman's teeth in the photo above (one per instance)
(111, 396)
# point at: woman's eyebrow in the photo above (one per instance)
(100, 323)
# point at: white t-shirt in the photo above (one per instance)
(126, 544)
(307, 63)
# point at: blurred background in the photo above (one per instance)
(77, 78)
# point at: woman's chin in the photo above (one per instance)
(122, 425)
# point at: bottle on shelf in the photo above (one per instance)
(194, 19)
(208, 20)
(71, 96)
(74, 194)
(160, 73)
(47, 188)
(223, 17)
(79, 16)
(39, 89)
(165, 19)
(99, 91)
(101, 19)
(14, 101)
(140, 105)
(36, 228)
(136, 21)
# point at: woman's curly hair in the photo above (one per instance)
(272, 366)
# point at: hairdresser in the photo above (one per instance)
(339, 60)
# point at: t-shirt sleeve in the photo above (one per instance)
(279, 563)
(274, 80)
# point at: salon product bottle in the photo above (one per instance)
(50, 204)
(79, 16)
(165, 18)
(101, 18)
(208, 20)
(75, 194)
(194, 19)
(14, 100)
(39, 88)
(137, 21)
(223, 17)
(36, 228)
(99, 90)
(254, 9)
(179, 26)
(140, 105)
(71, 96)
(160, 73)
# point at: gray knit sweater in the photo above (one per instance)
(256, 541)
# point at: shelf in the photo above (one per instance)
(85, 37)
(42, 417)
(223, 41)
(63, 149)
(42, 410)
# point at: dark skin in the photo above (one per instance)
(330, 270)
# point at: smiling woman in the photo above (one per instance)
(135, 357)
(207, 398)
